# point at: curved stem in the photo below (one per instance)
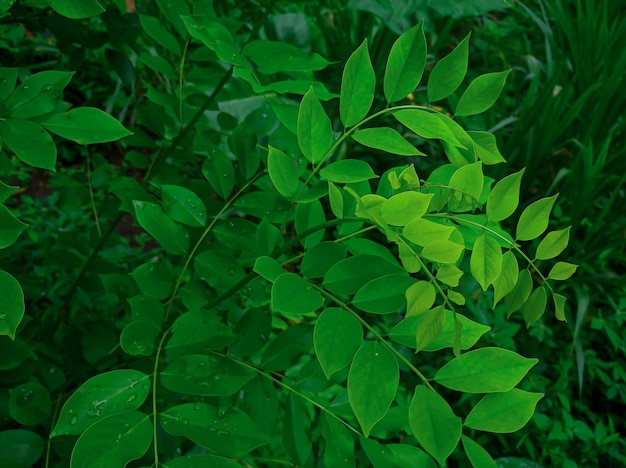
(155, 371)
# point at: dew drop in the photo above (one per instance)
(221, 412)
(185, 421)
(3, 316)
(223, 433)
(197, 407)
(132, 397)
(73, 420)
(201, 364)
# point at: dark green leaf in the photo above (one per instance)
(268, 268)
(13, 353)
(296, 427)
(278, 57)
(405, 64)
(308, 216)
(372, 384)
(138, 338)
(294, 297)
(197, 331)
(12, 307)
(8, 80)
(86, 125)
(503, 412)
(516, 298)
(318, 259)
(105, 394)
(287, 348)
(217, 167)
(38, 94)
(172, 237)
(485, 370)
(339, 450)
(20, 448)
(383, 295)
(76, 9)
(283, 172)
(348, 171)
(201, 461)
(30, 403)
(507, 279)
(386, 139)
(482, 93)
(153, 27)
(449, 72)
(215, 36)
(351, 274)
(219, 269)
(155, 279)
(336, 338)
(184, 206)
(315, 134)
(357, 87)
(535, 306)
(10, 227)
(434, 424)
(31, 143)
(559, 306)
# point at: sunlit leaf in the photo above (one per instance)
(405, 64)
(534, 219)
(478, 456)
(504, 197)
(562, 271)
(402, 208)
(553, 244)
(535, 306)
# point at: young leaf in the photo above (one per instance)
(486, 260)
(482, 93)
(434, 424)
(504, 197)
(503, 412)
(172, 237)
(386, 139)
(104, 395)
(315, 134)
(37, 150)
(484, 370)
(228, 431)
(405, 64)
(383, 295)
(337, 336)
(562, 271)
(450, 275)
(372, 383)
(283, 172)
(449, 72)
(520, 292)
(13, 307)
(430, 327)
(421, 231)
(184, 206)
(507, 279)
(534, 219)
(86, 125)
(292, 296)
(357, 87)
(113, 441)
(443, 251)
(467, 182)
(535, 306)
(419, 298)
(427, 125)
(478, 456)
(559, 306)
(553, 244)
(348, 171)
(404, 207)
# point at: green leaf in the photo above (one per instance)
(86, 125)
(380, 455)
(562, 271)
(76, 9)
(485, 370)
(267, 236)
(386, 139)
(104, 395)
(339, 450)
(197, 331)
(10, 227)
(553, 244)
(430, 327)
(434, 424)
(20, 448)
(227, 431)
(357, 87)
(315, 134)
(504, 197)
(534, 219)
(172, 237)
(348, 171)
(38, 94)
(383, 295)
(202, 461)
(459, 155)
(184, 206)
(478, 456)
(486, 147)
(467, 182)
(404, 207)
(450, 275)
(296, 427)
(486, 260)
(422, 231)
(419, 298)
(503, 412)
(449, 72)
(427, 125)
(268, 268)
(337, 336)
(215, 36)
(507, 279)
(535, 306)
(405, 64)
(279, 57)
(293, 297)
(13, 353)
(155, 279)
(8, 80)
(288, 347)
(559, 306)
(217, 167)
(442, 251)
(113, 441)
(154, 28)
(318, 259)
(520, 292)
(372, 383)
(12, 307)
(138, 338)
(308, 216)
(482, 93)
(197, 374)
(351, 274)
(30, 403)
(283, 172)
(31, 143)
(335, 198)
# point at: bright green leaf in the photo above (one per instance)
(427, 125)
(335, 198)
(37, 150)
(507, 279)
(372, 383)
(404, 207)
(486, 260)
(283, 172)
(553, 244)
(482, 93)
(434, 424)
(449, 72)
(348, 171)
(485, 370)
(419, 298)
(467, 182)
(443, 251)
(386, 139)
(268, 268)
(534, 219)
(422, 231)
(337, 336)
(504, 197)
(315, 134)
(405, 64)
(357, 87)
(104, 395)
(12, 307)
(450, 275)
(503, 412)
(562, 271)
(172, 237)
(430, 327)
(86, 125)
(478, 456)
(486, 147)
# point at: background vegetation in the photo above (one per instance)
(560, 117)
